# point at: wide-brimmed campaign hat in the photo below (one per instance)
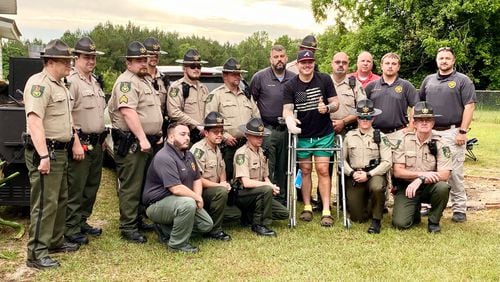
(136, 50)
(232, 65)
(153, 46)
(309, 42)
(423, 110)
(57, 49)
(214, 119)
(191, 57)
(255, 127)
(366, 108)
(85, 45)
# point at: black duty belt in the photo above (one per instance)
(277, 127)
(93, 138)
(446, 127)
(51, 143)
(391, 130)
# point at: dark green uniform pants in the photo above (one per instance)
(84, 178)
(131, 171)
(48, 198)
(406, 210)
(215, 200)
(260, 203)
(277, 145)
(178, 217)
(366, 200)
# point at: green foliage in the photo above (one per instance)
(415, 30)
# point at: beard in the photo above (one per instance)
(279, 67)
(181, 146)
(142, 72)
(192, 78)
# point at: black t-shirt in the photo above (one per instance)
(169, 167)
(305, 98)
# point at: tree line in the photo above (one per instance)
(413, 29)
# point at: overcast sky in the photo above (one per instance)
(221, 20)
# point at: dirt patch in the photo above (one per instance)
(482, 192)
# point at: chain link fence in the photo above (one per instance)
(488, 100)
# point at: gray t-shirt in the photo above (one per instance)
(393, 100)
(448, 95)
(169, 167)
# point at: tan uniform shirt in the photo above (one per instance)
(359, 149)
(190, 110)
(49, 99)
(209, 161)
(292, 66)
(236, 109)
(88, 103)
(131, 91)
(162, 89)
(417, 157)
(251, 164)
(347, 98)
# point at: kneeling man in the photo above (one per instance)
(422, 166)
(173, 192)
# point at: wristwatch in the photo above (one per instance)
(422, 178)
(462, 131)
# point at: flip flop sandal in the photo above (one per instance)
(326, 221)
(306, 216)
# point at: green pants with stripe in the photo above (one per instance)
(84, 178)
(48, 198)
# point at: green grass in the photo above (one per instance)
(469, 251)
(486, 128)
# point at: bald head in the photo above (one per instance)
(364, 64)
(340, 64)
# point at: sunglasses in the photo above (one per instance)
(446, 49)
(155, 84)
(365, 117)
(194, 66)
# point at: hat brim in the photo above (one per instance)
(42, 55)
(426, 116)
(136, 57)
(87, 53)
(308, 47)
(215, 124)
(306, 59)
(161, 52)
(235, 71)
(243, 128)
(375, 112)
(181, 61)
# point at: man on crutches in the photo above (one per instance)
(306, 93)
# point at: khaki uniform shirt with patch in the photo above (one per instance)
(209, 161)
(251, 164)
(49, 99)
(88, 103)
(191, 110)
(347, 97)
(131, 91)
(359, 149)
(417, 157)
(236, 109)
(162, 90)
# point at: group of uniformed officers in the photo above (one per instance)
(189, 159)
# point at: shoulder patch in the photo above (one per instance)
(123, 99)
(125, 86)
(240, 159)
(174, 92)
(387, 142)
(209, 98)
(446, 151)
(198, 153)
(37, 90)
